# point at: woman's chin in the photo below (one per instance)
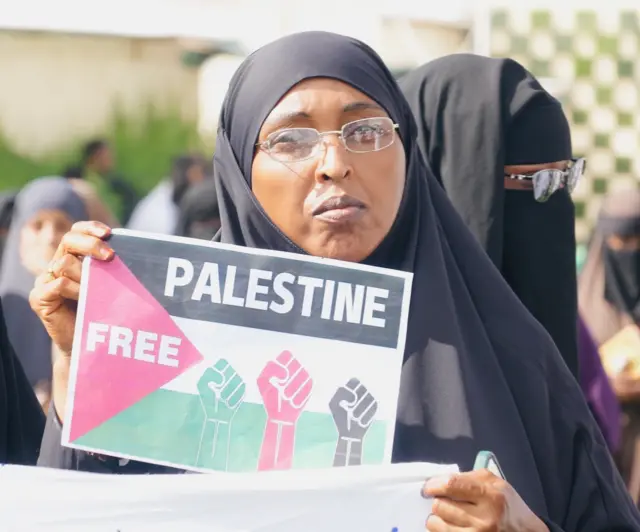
(346, 247)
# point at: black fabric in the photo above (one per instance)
(475, 115)
(479, 372)
(538, 133)
(21, 418)
(7, 203)
(199, 207)
(127, 194)
(622, 280)
(180, 175)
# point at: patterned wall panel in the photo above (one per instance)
(595, 60)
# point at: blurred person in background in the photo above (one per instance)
(502, 147)
(199, 212)
(45, 209)
(98, 168)
(609, 295)
(96, 208)
(159, 211)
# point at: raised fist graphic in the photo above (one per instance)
(353, 409)
(221, 392)
(285, 387)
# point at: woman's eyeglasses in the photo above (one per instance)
(300, 143)
(548, 181)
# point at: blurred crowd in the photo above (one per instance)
(170, 208)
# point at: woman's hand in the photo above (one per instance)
(55, 295)
(478, 501)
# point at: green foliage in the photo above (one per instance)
(144, 146)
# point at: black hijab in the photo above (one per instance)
(21, 417)
(475, 115)
(479, 371)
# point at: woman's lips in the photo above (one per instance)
(341, 215)
(339, 209)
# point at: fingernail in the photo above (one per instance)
(105, 253)
(99, 231)
(436, 482)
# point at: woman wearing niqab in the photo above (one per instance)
(609, 297)
(477, 115)
(479, 371)
(480, 121)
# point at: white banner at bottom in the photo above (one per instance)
(350, 499)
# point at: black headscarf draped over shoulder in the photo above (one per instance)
(479, 371)
(475, 115)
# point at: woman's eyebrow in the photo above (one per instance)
(288, 116)
(360, 106)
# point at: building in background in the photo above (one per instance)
(70, 64)
(588, 54)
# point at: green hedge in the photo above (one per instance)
(144, 146)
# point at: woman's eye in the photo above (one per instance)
(284, 138)
(365, 134)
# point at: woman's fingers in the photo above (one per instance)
(454, 512)
(85, 239)
(97, 229)
(68, 266)
(48, 295)
(461, 487)
(437, 524)
(84, 245)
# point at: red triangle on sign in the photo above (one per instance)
(112, 377)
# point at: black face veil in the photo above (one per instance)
(479, 371)
(475, 115)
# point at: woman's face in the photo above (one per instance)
(40, 237)
(297, 195)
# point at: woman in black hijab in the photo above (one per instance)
(482, 121)
(479, 371)
(21, 417)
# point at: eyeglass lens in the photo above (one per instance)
(546, 182)
(360, 136)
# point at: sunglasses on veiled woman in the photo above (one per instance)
(548, 181)
(300, 143)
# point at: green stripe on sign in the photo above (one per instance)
(167, 426)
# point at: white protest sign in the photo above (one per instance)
(206, 356)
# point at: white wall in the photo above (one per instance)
(57, 87)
